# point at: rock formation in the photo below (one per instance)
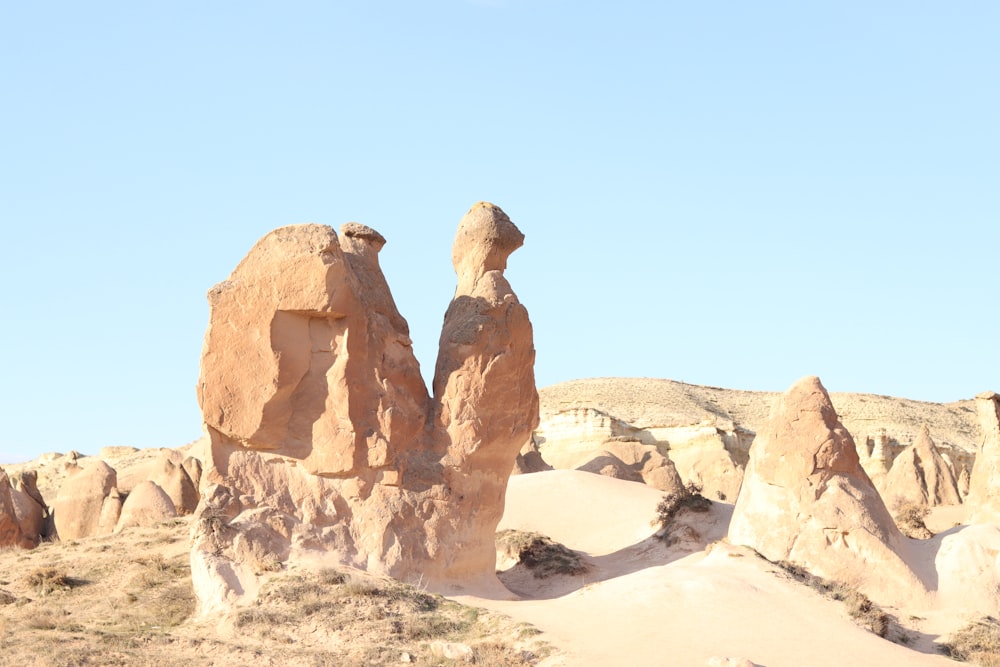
(984, 482)
(623, 459)
(321, 432)
(806, 499)
(702, 454)
(146, 505)
(88, 502)
(920, 476)
(30, 509)
(170, 475)
(11, 530)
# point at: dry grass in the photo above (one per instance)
(376, 621)
(540, 554)
(978, 643)
(864, 612)
(127, 600)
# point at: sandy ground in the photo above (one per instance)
(643, 603)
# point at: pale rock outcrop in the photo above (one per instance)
(984, 482)
(529, 460)
(172, 477)
(146, 505)
(806, 499)
(605, 463)
(920, 476)
(321, 433)
(703, 459)
(192, 467)
(87, 503)
(877, 454)
(701, 454)
(627, 460)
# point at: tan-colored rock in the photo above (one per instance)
(321, 433)
(172, 477)
(147, 505)
(529, 460)
(984, 482)
(605, 463)
(79, 505)
(30, 509)
(701, 453)
(11, 533)
(920, 476)
(192, 467)
(806, 499)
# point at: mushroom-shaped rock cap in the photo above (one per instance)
(485, 239)
(355, 231)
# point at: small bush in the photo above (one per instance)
(673, 504)
(978, 643)
(540, 554)
(47, 580)
(910, 520)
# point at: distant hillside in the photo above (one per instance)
(645, 402)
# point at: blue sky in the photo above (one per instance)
(724, 193)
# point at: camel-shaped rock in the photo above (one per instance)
(321, 433)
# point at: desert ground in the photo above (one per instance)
(126, 598)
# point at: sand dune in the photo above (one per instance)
(646, 604)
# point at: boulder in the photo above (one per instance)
(806, 499)
(321, 435)
(920, 476)
(79, 507)
(146, 505)
(984, 483)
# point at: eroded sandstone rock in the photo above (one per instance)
(984, 482)
(146, 505)
(85, 504)
(920, 476)
(11, 532)
(30, 509)
(806, 499)
(170, 475)
(321, 433)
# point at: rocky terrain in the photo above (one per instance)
(338, 511)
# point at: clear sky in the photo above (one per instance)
(725, 193)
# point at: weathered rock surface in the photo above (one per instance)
(622, 459)
(30, 509)
(703, 454)
(984, 482)
(170, 475)
(707, 431)
(146, 505)
(321, 433)
(920, 476)
(11, 532)
(806, 499)
(87, 503)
